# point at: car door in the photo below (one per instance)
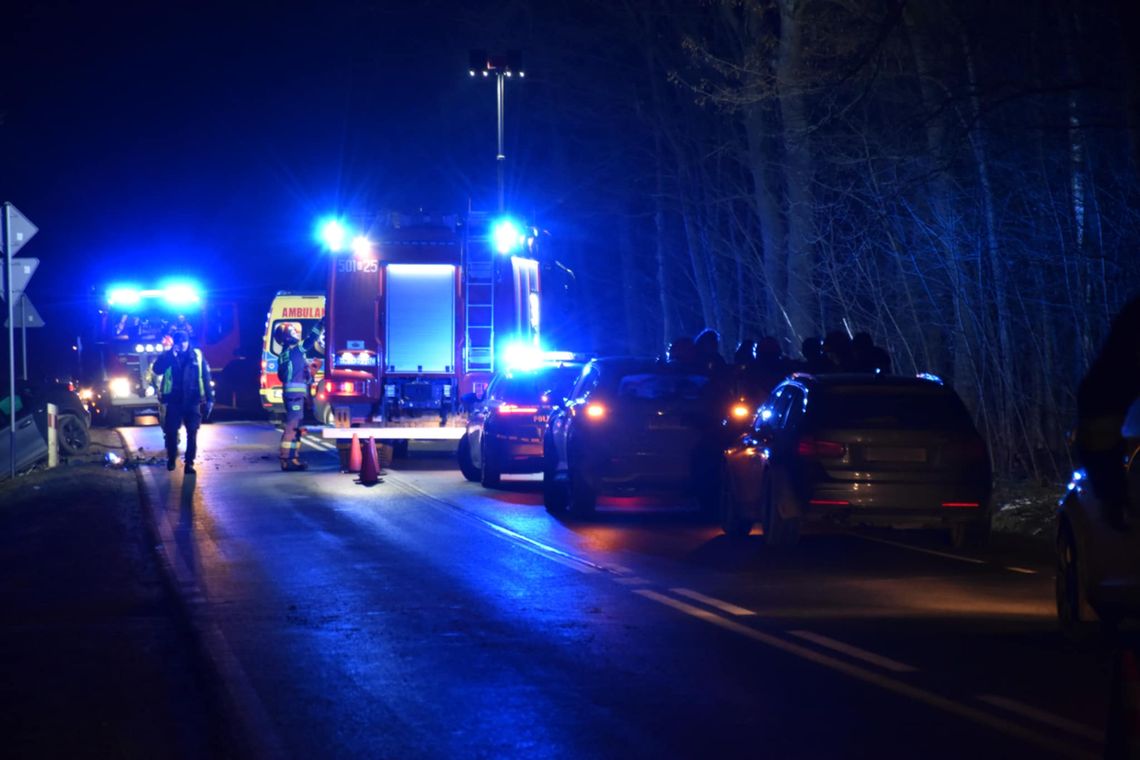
(561, 419)
(476, 421)
(30, 442)
(759, 443)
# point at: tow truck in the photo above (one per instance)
(418, 318)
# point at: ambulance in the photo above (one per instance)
(303, 311)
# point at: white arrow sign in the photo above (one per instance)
(25, 314)
(20, 230)
(22, 271)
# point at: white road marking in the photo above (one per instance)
(1041, 716)
(920, 550)
(853, 651)
(928, 698)
(731, 609)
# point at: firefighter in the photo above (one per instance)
(295, 375)
(184, 386)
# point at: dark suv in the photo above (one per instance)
(635, 424)
(859, 449)
(504, 431)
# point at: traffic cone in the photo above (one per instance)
(369, 470)
(354, 460)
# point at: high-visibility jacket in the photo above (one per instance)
(197, 385)
(293, 370)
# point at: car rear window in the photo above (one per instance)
(528, 386)
(907, 408)
(670, 386)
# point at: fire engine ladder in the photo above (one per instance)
(480, 306)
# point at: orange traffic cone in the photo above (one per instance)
(369, 470)
(354, 460)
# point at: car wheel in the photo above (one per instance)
(973, 535)
(492, 471)
(466, 466)
(583, 499)
(780, 529)
(73, 434)
(731, 522)
(1069, 592)
(555, 493)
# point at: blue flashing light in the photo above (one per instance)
(523, 357)
(362, 246)
(124, 296)
(333, 234)
(506, 236)
(181, 294)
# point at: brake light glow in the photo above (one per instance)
(516, 409)
(330, 386)
(595, 411)
(349, 387)
(740, 411)
(961, 504)
(829, 502)
(810, 447)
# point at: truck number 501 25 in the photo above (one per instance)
(348, 266)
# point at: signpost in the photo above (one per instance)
(17, 231)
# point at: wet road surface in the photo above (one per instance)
(429, 617)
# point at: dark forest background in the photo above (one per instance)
(959, 178)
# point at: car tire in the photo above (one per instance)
(779, 530)
(583, 498)
(74, 437)
(967, 535)
(555, 491)
(491, 473)
(731, 521)
(466, 466)
(1069, 591)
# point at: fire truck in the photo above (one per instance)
(419, 316)
(133, 326)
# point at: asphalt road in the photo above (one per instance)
(428, 617)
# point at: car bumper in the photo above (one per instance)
(896, 503)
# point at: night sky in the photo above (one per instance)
(206, 138)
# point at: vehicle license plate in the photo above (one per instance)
(895, 454)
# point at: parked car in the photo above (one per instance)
(859, 449)
(1098, 546)
(634, 424)
(505, 429)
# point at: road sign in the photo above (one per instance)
(22, 271)
(25, 314)
(20, 230)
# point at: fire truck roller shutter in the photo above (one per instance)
(527, 301)
(420, 317)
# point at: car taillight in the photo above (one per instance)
(516, 409)
(348, 387)
(740, 411)
(961, 504)
(330, 386)
(810, 447)
(595, 411)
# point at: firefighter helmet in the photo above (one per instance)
(289, 334)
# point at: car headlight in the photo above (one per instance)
(86, 394)
(120, 387)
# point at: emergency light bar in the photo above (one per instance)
(175, 294)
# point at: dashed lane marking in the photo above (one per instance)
(1041, 716)
(920, 550)
(731, 609)
(915, 693)
(852, 651)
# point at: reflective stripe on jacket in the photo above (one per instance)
(293, 371)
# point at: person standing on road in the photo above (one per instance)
(184, 386)
(295, 375)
